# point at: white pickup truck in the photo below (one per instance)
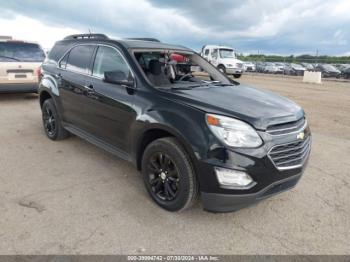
(224, 58)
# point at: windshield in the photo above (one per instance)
(20, 52)
(227, 53)
(174, 70)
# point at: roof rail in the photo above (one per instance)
(86, 36)
(143, 39)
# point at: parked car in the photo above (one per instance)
(224, 58)
(343, 68)
(260, 67)
(249, 66)
(19, 66)
(233, 144)
(308, 66)
(280, 67)
(271, 68)
(294, 69)
(328, 70)
(346, 73)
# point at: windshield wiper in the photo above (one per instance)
(221, 84)
(185, 87)
(16, 59)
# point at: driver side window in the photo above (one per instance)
(109, 60)
(214, 53)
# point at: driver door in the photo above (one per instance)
(214, 57)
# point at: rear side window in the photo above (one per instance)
(79, 58)
(206, 52)
(109, 60)
(21, 52)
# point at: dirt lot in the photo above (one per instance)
(70, 197)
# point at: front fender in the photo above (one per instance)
(189, 128)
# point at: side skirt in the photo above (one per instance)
(97, 142)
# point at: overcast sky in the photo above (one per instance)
(274, 27)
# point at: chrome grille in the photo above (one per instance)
(286, 128)
(291, 155)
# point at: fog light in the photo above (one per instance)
(233, 179)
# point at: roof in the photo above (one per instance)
(17, 41)
(139, 44)
(4, 37)
(217, 46)
(129, 43)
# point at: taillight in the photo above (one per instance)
(38, 72)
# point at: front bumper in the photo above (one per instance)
(233, 71)
(266, 165)
(215, 202)
(19, 88)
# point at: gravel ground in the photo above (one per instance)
(71, 197)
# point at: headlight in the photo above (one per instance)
(229, 65)
(233, 132)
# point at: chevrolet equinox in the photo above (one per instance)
(191, 130)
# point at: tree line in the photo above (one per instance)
(296, 59)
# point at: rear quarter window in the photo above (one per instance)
(21, 52)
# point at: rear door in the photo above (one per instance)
(73, 79)
(110, 106)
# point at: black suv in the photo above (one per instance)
(190, 130)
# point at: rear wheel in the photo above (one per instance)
(52, 124)
(168, 175)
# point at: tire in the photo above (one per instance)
(168, 175)
(51, 121)
(222, 69)
(237, 75)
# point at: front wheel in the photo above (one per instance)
(222, 69)
(237, 75)
(168, 175)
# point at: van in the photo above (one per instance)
(19, 65)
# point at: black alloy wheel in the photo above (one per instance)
(163, 176)
(49, 121)
(169, 175)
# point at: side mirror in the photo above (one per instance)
(118, 77)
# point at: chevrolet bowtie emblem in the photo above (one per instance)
(301, 136)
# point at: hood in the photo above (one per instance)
(231, 60)
(259, 108)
